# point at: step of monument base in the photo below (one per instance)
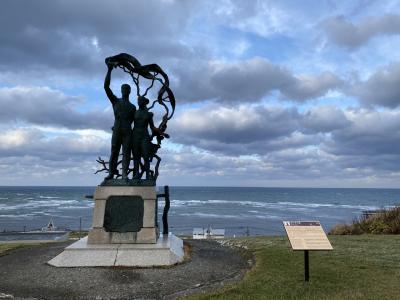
(167, 251)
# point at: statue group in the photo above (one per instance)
(132, 124)
(125, 209)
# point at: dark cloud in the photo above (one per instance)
(324, 119)
(326, 139)
(78, 35)
(302, 88)
(242, 130)
(344, 33)
(250, 80)
(382, 88)
(237, 124)
(32, 156)
(371, 134)
(269, 143)
(49, 134)
(48, 107)
(71, 39)
(35, 143)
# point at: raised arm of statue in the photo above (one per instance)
(107, 81)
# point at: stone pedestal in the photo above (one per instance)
(167, 251)
(125, 231)
(147, 231)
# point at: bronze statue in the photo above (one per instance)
(138, 141)
(124, 112)
(141, 140)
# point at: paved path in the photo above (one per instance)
(25, 274)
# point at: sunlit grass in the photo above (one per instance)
(359, 267)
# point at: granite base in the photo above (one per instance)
(167, 251)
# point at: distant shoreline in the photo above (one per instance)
(211, 186)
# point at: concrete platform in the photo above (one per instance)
(167, 251)
(25, 274)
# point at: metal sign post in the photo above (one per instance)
(306, 236)
(306, 266)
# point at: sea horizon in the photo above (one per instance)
(220, 186)
(238, 210)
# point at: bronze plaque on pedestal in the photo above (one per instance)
(124, 214)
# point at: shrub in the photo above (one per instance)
(386, 221)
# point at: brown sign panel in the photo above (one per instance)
(307, 235)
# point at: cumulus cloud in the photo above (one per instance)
(244, 130)
(251, 80)
(303, 87)
(343, 140)
(263, 18)
(324, 119)
(77, 36)
(32, 156)
(382, 88)
(49, 107)
(36, 143)
(344, 33)
(232, 129)
(227, 143)
(371, 133)
(237, 124)
(236, 55)
(71, 39)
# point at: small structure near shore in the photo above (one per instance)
(209, 233)
(49, 233)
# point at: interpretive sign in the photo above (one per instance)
(307, 235)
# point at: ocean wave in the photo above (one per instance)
(17, 216)
(48, 197)
(274, 205)
(207, 215)
(224, 216)
(77, 207)
(333, 205)
(38, 203)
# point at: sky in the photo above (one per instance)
(269, 93)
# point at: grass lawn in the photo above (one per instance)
(359, 267)
(4, 248)
(77, 234)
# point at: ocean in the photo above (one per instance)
(238, 210)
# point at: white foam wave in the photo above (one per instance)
(207, 215)
(275, 205)
(39, 203)
(75, 207)
(333, 205)
(223, 216)
(17, 216)
(48, 197)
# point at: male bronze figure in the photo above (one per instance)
(124, 113)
